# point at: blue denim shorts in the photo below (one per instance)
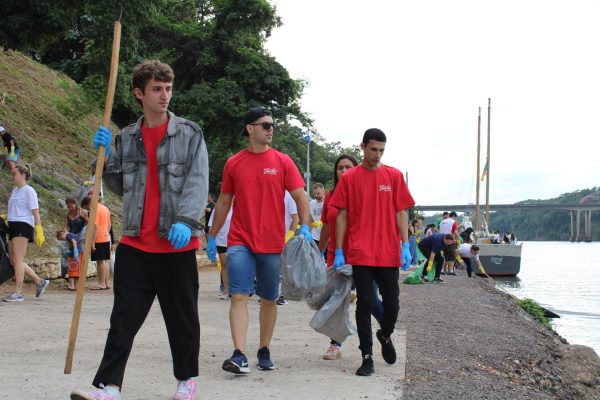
(244, 266)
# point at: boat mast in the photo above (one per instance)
(487, 181)
(477, 208)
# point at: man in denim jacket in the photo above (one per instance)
(160, 167)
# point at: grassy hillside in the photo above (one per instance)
(53, 121)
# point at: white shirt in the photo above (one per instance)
(446, 226)
(290, 209)
(221, 238)
(316, 209)
(21, 202)
(465, 252)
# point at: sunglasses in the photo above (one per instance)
(266, 125)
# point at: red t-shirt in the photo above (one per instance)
(258, 182)
(372, 198)
(328, 216)
(149, 241)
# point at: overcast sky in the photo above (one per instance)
(419, 70)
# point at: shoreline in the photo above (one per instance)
(468, 340)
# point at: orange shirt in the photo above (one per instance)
(103, 224)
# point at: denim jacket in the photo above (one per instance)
(182, 175)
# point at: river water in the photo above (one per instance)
(563, 277)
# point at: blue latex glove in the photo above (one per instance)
(76, 254)
(305, 231)
(179, 235)
(103, 136)
(406, 257)
(339, 259)
(211, 248)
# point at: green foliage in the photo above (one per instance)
(534, 310)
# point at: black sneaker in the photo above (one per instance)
(264, 359)
(440, 280)
(387, 347)
(442, 273)
(281, 301)
(366, 369)
(237, 364)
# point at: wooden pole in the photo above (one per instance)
(477, 208)
(112, 82)
(487, 178)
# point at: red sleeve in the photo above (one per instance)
(325, 204)
(293, 179)
(403, 200)
(227, 185)
(455, 227)
(340, 196)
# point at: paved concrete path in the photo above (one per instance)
(34, 336)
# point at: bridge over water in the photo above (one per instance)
(575, 210)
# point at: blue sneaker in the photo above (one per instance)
(264, 359)
(237, 364)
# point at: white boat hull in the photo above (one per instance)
(500, 259)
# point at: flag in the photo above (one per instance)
(485, 172)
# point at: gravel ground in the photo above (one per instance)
(467, 340)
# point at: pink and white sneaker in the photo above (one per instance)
(104, 393)
(333, 353)
(186, 390)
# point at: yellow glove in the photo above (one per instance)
(12, 152)
(39, 235)
(429, 265)
(289, 235)
(316, 224)
(219, 267)
(3, 216)
(481, 269)
(87, 183)
(460, 260)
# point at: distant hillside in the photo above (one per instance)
(53, 121)
(543, 224)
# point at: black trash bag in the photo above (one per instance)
(333, 317)
(6, 269)
(302, 269)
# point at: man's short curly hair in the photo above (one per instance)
(150, 69)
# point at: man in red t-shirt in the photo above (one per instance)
(372, 200)
(160, 167)
(257, 177)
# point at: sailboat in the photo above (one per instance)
(497, 259)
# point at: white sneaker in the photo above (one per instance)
(186, 390)
(104, 393)
(13, 297)
(333, 353)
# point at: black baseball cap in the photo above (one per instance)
(252, 115)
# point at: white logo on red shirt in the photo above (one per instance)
(270, 171)
(385, 188)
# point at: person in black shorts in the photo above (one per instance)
(24, 226)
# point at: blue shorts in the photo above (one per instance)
(244, 266)
(15, 158)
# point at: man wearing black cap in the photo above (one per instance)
(257, 177)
